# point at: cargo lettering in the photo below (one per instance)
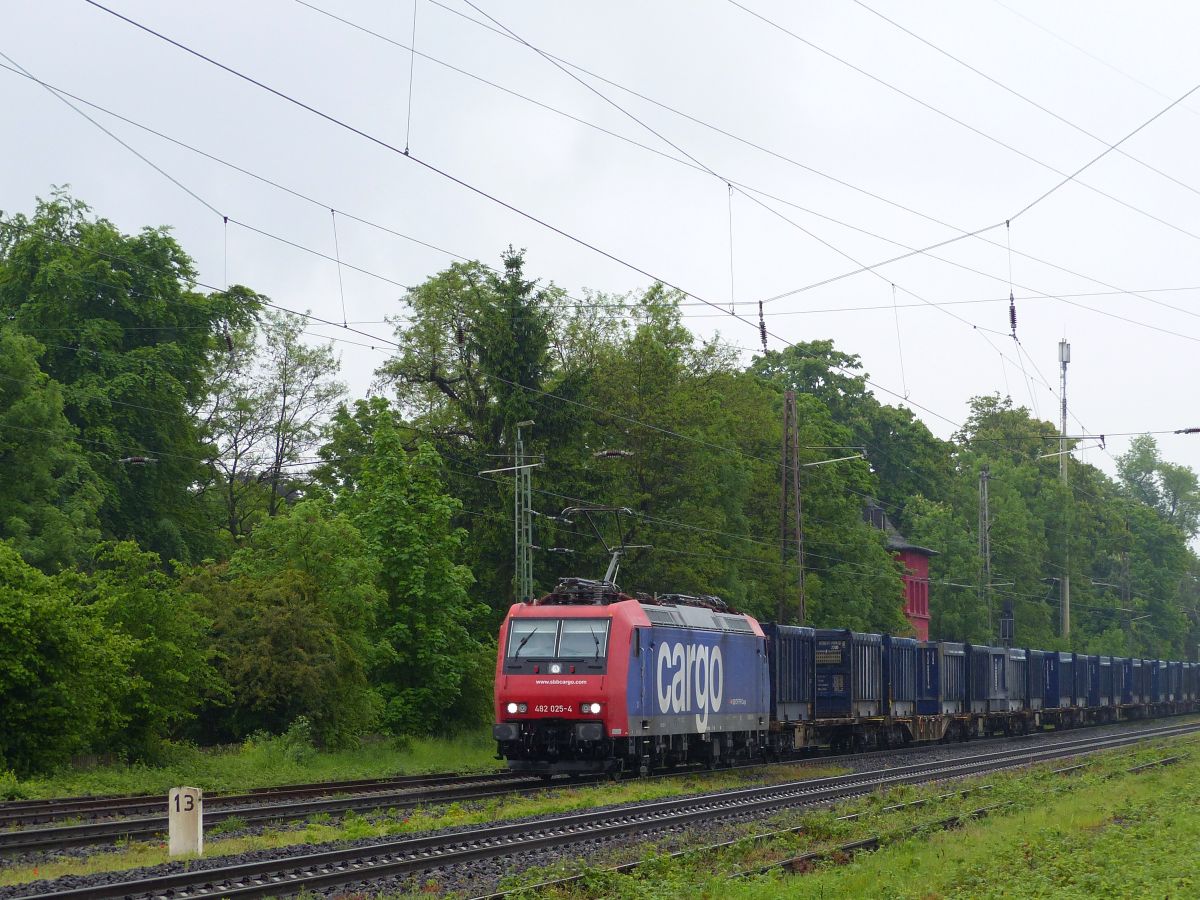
(690, 678)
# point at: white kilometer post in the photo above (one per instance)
(185, 818)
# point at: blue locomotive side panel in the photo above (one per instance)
(693, 681)
(790, 649)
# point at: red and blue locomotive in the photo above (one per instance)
(590, 679)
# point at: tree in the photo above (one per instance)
(167, 672)
(425, 653)
(301, 389)
(292, 618)
(59, 670)
(49, 495)
(270, 396)
(1171, 489)
(129, 339)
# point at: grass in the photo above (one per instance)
(267, 763)
(1103, 833)
(390, 823)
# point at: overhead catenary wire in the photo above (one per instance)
(391, 231)
(962, 233)
(1010, 90)
(454, 179)
(1067, 177)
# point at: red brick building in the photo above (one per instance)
(916, 562)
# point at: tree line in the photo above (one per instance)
(203, 536)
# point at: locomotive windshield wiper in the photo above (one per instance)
(524, 641)
(597, 640)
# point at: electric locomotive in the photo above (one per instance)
(590, 679)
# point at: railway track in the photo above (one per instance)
(120, 819)
(33, 812)
(312, 871)
(252, 811)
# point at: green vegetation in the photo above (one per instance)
(1105, 832)
(202, 538)
(265, 761)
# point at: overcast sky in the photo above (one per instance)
(829, 134)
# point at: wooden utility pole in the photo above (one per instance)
(791, 532)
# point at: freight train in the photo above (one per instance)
(592, 680)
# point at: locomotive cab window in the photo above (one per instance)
(532, 637)
(558, 638)
(583, 638)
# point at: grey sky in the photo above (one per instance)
(719, 64)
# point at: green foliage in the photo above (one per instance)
(50, 495)
(168, 669)
(60, 670)
(129, 341)
(292, 615)
(424, 652)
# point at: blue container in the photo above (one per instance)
(1060, 680)
(1174, 681)
(1017, 678)
(1118, 677)
(848, 674)
(941, 678)
(1036, 678)
(988, 668)
(1158, 672)
(900, 674)
(1104, 681)
(1083, 689)
(790, 658)
(1131, 690)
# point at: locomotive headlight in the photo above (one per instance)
(555, 668)
(591, 709)
(512, 708)
(521, 707)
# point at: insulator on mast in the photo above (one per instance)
(1012, 313)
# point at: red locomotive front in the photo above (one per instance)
(560, 682)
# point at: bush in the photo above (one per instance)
(10, 787)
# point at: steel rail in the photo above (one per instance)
(341, 866)
(21, 812)
(25, 839)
